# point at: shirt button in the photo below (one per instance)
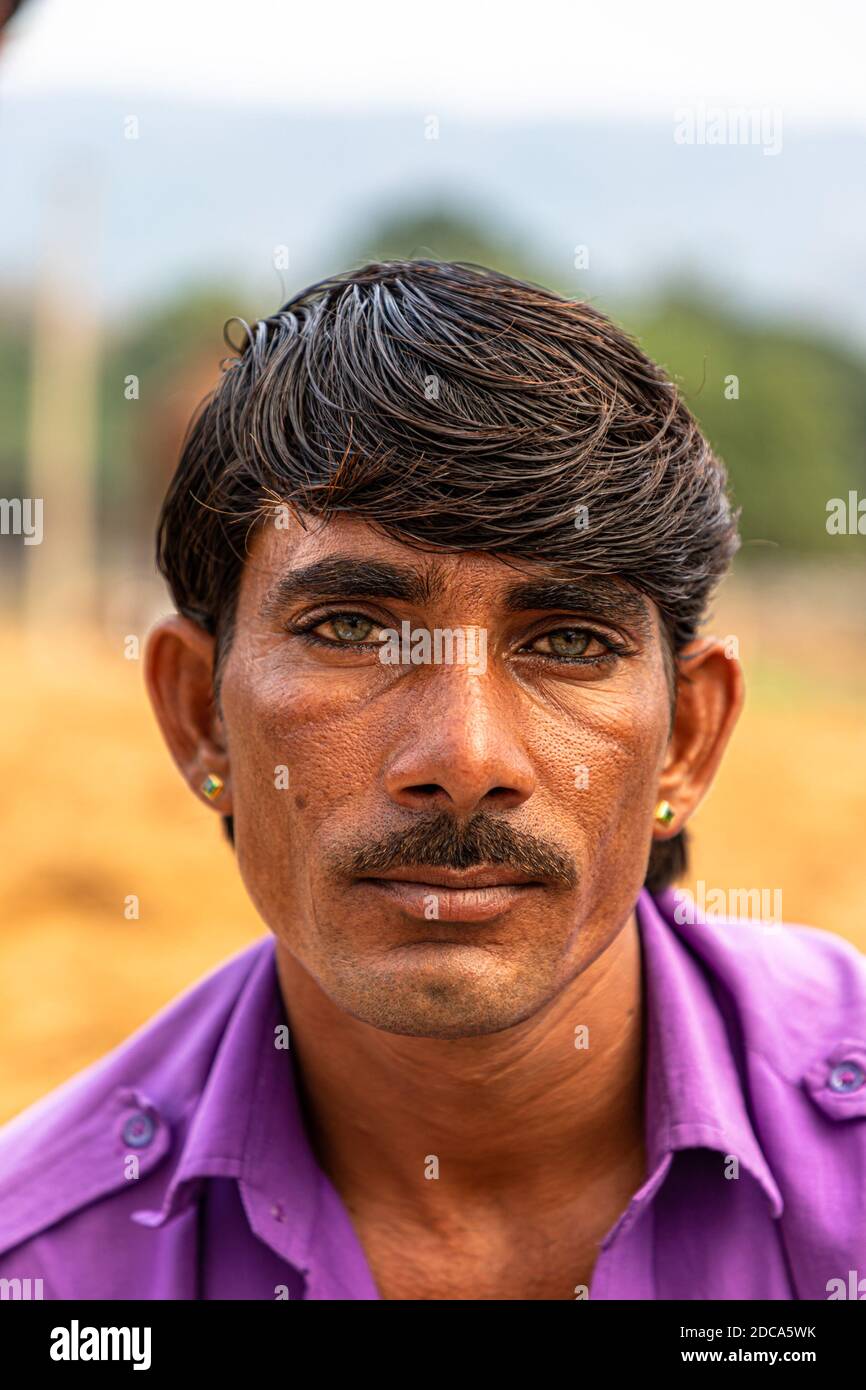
(138, 1130)
(846, 1077)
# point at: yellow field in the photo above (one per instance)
(92, 812)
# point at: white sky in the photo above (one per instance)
(494, 59)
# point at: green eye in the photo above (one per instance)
(350, 628)
(569, 641)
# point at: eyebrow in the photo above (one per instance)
(602, 598)
(345, 577)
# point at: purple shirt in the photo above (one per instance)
(178, 1165)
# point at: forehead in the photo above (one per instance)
(322, 555)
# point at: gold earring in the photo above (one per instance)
(664, 813)
(212, 786)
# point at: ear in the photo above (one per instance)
(178, 670)
(710, 695)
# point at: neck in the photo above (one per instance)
(518, 1112)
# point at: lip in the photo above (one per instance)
(452, 895)
(480, 877)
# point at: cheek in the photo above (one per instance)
(299, 745)
(600, 757)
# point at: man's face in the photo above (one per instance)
(442, 843)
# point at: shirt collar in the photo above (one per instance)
(694, 1094)
(248, 1124)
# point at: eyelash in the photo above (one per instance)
(615, 648)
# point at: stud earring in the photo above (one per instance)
(212, 786)
(664, 813)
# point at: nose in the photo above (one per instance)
(460, 749)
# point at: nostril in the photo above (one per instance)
(426, 789)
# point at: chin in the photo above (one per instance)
(466, 995)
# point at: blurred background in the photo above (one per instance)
(697, 174)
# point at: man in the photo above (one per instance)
(440, 545)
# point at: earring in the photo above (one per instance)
(664, 813)
(212, 786)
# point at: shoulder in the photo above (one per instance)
(792, 1001)
(71, 1148)
(796, 993)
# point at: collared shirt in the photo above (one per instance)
(178, 1166)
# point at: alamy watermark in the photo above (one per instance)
(22, 516)
(759, 905)
(77, 1343)
(846, 518)
(21, 1289)
(441, 646)
(729, 125)
(855, 1287)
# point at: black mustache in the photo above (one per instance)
(441, 842)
